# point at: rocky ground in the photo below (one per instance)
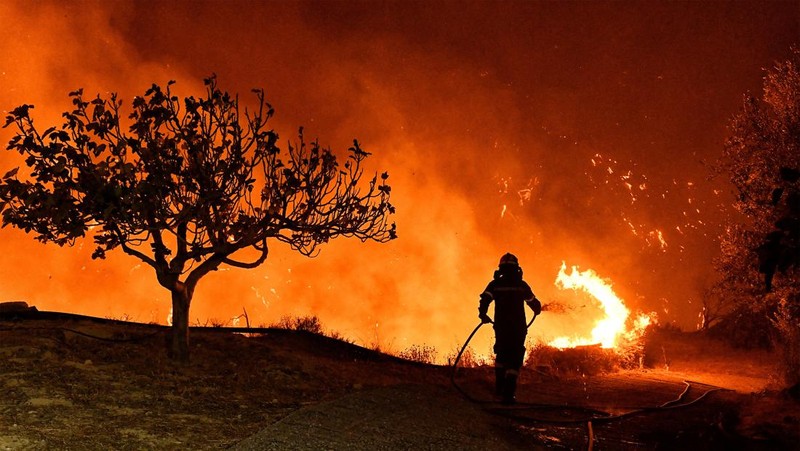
(81, 384)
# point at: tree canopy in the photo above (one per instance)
(760, 258)
(762, 158)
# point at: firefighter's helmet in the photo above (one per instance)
(509, 259)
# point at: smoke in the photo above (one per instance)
(486, 115)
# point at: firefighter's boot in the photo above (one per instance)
(500, 380)
(510, 387)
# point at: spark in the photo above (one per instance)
(260, 296)
(524, 196)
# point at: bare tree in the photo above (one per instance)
(190, 186)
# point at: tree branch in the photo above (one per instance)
(130, 251)
(261, 259)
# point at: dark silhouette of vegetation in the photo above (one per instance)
(190, 186)
(761, 250)
(309, 323)
(716, 305)
(419, 353)
(780, 248)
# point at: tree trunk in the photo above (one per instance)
(179, 345)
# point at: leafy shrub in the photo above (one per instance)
(747, 327)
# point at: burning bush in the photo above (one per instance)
(583, 360)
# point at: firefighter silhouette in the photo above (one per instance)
(510, 294)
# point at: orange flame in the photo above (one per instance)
(609, 329)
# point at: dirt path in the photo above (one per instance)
(628, 411)
(390, 418)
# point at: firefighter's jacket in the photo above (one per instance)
(510, 294)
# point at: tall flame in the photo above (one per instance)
(612, 326)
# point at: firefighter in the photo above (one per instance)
(510, 294)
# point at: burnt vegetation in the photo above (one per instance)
(190, 185)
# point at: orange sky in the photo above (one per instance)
(466, 105)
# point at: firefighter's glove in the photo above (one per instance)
(484, 318)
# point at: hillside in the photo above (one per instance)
(78, 383)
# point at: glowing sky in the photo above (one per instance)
(593, 123)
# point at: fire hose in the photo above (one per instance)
(594, 415)
(463, 348)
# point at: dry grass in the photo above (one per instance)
(419, 353)
(580, 361)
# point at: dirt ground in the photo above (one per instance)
(78, 384)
